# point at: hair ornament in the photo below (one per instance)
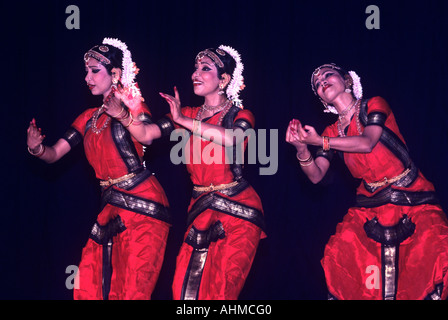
(129, 70)
(357, 87)
(237, 82)
(207, 52)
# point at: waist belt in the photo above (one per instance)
(215, 188)
(229, 189)
(128, 181)
(403, 180)
(385, 181)
(109, 182)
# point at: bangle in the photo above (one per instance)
(39, 153)
(303, 164)
(326, 143)
(130, 122)
(306, 162)
(119, 114)
(135, 122)
(126, 116)
(196, 126)
(303, 160)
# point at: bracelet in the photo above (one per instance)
(126, 115)
(303, 160)
(130, 122)
(39, 153)
(135, 122)
(306, 162)
(326, 143)
(196, 126)
(303, 164)
(119, 114)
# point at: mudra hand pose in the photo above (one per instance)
(396, 228)
(124, 254)
(225, 216)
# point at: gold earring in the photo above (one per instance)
(221, 90)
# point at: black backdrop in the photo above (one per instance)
(48, 210)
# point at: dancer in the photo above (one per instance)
(125, 251)
(393, 244)
(225, 215)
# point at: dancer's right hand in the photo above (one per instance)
(175, 106)
(34, 135)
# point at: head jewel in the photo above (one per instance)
(129, 69)
(236, 83)
(356, 85)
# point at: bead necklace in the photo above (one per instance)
(213, 108)
(95, 117)
(99, 111)
(226, 106)
(347, 110)
(224, 111)
(358, 125)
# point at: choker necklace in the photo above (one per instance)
(213, 108)
(347, 110)
(225, 107)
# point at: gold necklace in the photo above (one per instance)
(213, 108)
(95, 117)
(347, 110)
(358, 125)
(222, 106)
(224, 111)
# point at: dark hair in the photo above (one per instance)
(226, 59)
(114, 55)
(229, 65)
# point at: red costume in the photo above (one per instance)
(224, 226)
(124, 254)
(394, 243)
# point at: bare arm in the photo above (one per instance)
(143, 132)
(49, 154)
(219, 134)
(363, 143)
(315, 169)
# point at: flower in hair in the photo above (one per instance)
(357, 87)
(237, 82)
(129, 70)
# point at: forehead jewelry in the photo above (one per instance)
(356, 84)
(129, 69)
(216, 60)
(97, 56)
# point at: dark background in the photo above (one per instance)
(48, 210)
